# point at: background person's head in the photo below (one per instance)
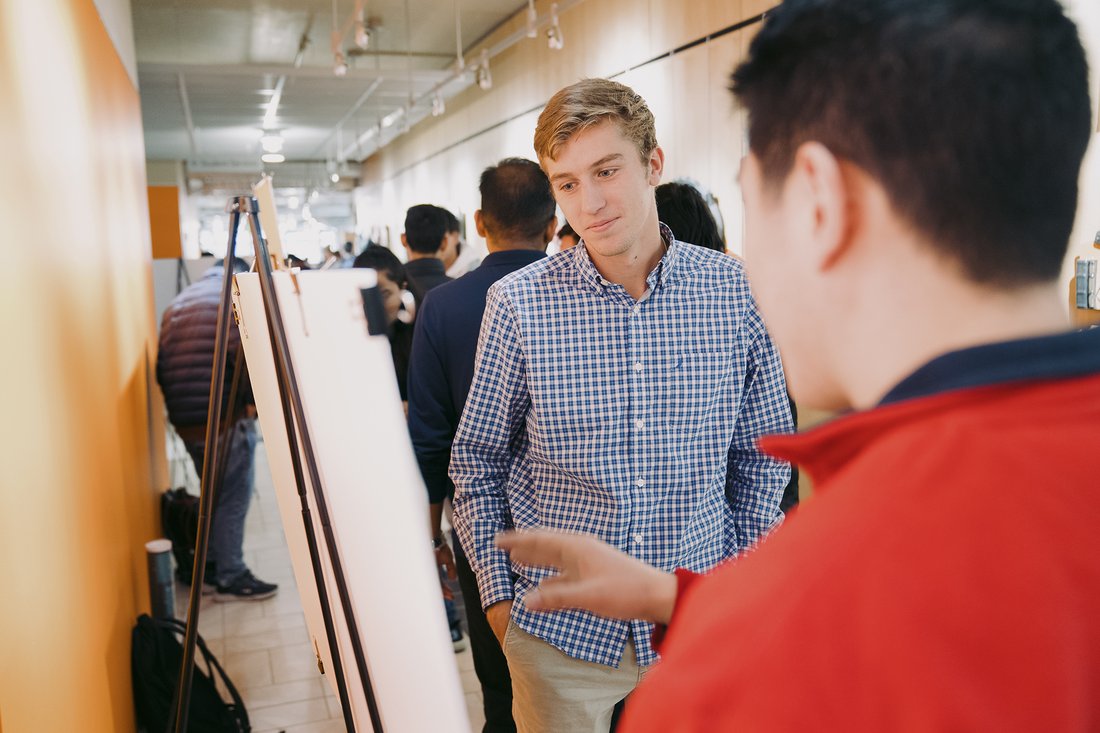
(682, 207)
(597, 142)
(452, 239)
(517, 206)
(391, 276)
(906, 158)
(567, 238)
(425, 232)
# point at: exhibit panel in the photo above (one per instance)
(371, 483)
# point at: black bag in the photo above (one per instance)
(155, 659)
(179, 519)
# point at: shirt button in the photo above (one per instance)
(640, 483)
(637, 366)
(639, 423)
(638, 538)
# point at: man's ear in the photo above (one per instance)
(821, 189)
(479, 223)
(404, 241)
(656, 166)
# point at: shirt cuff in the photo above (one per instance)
(496, 585)
(684, 579)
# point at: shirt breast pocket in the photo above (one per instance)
(697, 387)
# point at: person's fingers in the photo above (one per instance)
(537, 547)
(560, 592)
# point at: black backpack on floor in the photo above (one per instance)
(179, 519)
(155, 660)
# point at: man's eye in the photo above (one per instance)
(606, 173)
(567, 187)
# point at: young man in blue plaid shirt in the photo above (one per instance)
(619, 390)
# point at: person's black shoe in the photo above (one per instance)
(208, 584)
(247, 587)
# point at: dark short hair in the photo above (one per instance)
(567, 231)
(377, 257)
(516, 201)
(451, 220)
(682, 207)
(425, 226)
(973, 115)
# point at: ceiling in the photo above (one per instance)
(208, 69)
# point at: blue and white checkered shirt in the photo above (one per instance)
(635, 421)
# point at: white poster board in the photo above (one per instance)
(376, 499)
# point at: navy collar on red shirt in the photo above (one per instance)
(1058, 356)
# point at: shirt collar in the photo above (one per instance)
(939, 384)
(658, 276)
(1056, 356)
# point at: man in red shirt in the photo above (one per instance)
(909, 192)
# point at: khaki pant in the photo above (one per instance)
(555, 693)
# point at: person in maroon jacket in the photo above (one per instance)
(910, 189)
(185, 364)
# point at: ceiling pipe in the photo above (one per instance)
(460, 71)
(185, 101)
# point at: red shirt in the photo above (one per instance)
(944, 576)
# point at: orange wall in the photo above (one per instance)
(164, 220)
(77, 459)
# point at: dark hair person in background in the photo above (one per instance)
(910, 190)
(517, 220)
(391, 282)
(682, 207)
(567, 238)
(429, 240)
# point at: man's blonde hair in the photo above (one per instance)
(588, 103)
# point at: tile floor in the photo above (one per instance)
(263, 645)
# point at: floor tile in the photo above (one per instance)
(289, 713)
(268, 695)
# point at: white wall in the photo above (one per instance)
(119, 23)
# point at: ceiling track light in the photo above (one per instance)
(362, 35)
(271, 141)
(554, 37)
(484, 76)
(438, 105)
(273, 157)
(339, 64)
(532, 20)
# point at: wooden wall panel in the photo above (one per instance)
(79, 442)
(696, 123)
(164, 221)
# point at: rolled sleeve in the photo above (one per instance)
(755, 481)
(491, 426)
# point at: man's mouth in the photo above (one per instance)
(602, 226)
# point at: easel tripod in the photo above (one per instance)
(297, 435)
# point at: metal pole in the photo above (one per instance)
(209, 485)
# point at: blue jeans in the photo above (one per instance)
(226, 547)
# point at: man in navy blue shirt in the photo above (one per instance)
(517, 220)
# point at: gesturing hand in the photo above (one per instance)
(592, 576)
